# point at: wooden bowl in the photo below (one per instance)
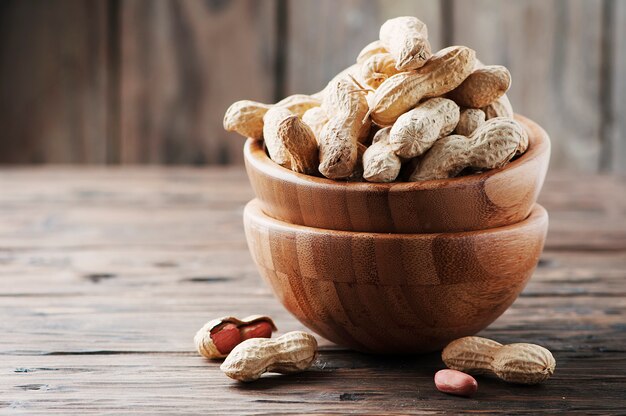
(475, 202)
(394, 293)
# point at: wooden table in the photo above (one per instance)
(106, 274)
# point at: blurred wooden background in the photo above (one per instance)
(140, 81)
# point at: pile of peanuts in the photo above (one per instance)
(400, 113)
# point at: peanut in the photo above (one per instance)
(274, 143)
(380, 163)
(318, 96)
(443, 72)
(415, 131)
(482, 87)
(300, 142)
(469, 120)
(514, 363)
(219, 336)
(470, 354)
(406, 38)
(455, 382)
(357, 173)
(298, 103)
(499, 108)
(502, 108)
(290, 353)
(315, 118)
(225, 338)
(371, 49)
(346, 102)
(353, 71)
(246, 117)
(523, 143)
(259, 330)
(491, 146)
(381, 135)
(523, 363)
(378, 68)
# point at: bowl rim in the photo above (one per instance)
(539, 144)
(253, 208)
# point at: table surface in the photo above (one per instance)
(107, 273)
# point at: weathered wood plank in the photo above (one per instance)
(326, 36)
(183, 64)
(61, 101)
(618, 89)
(85, 321)
(586, 212)
(54, 82)
(553, 50)
(339, 383)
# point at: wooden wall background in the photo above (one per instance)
(141, 81)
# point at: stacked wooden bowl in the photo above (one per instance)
(398, 267)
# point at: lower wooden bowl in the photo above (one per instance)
(395, 293)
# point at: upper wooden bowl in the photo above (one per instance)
(474, 202)
(394, 293)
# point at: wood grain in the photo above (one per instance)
(54, 82)
(394, 293)
(101, 293)
(180, 72)
(148, 82)
(553, 52)
(474, 202)
(616, 146)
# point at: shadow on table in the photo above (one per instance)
(331, 362)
